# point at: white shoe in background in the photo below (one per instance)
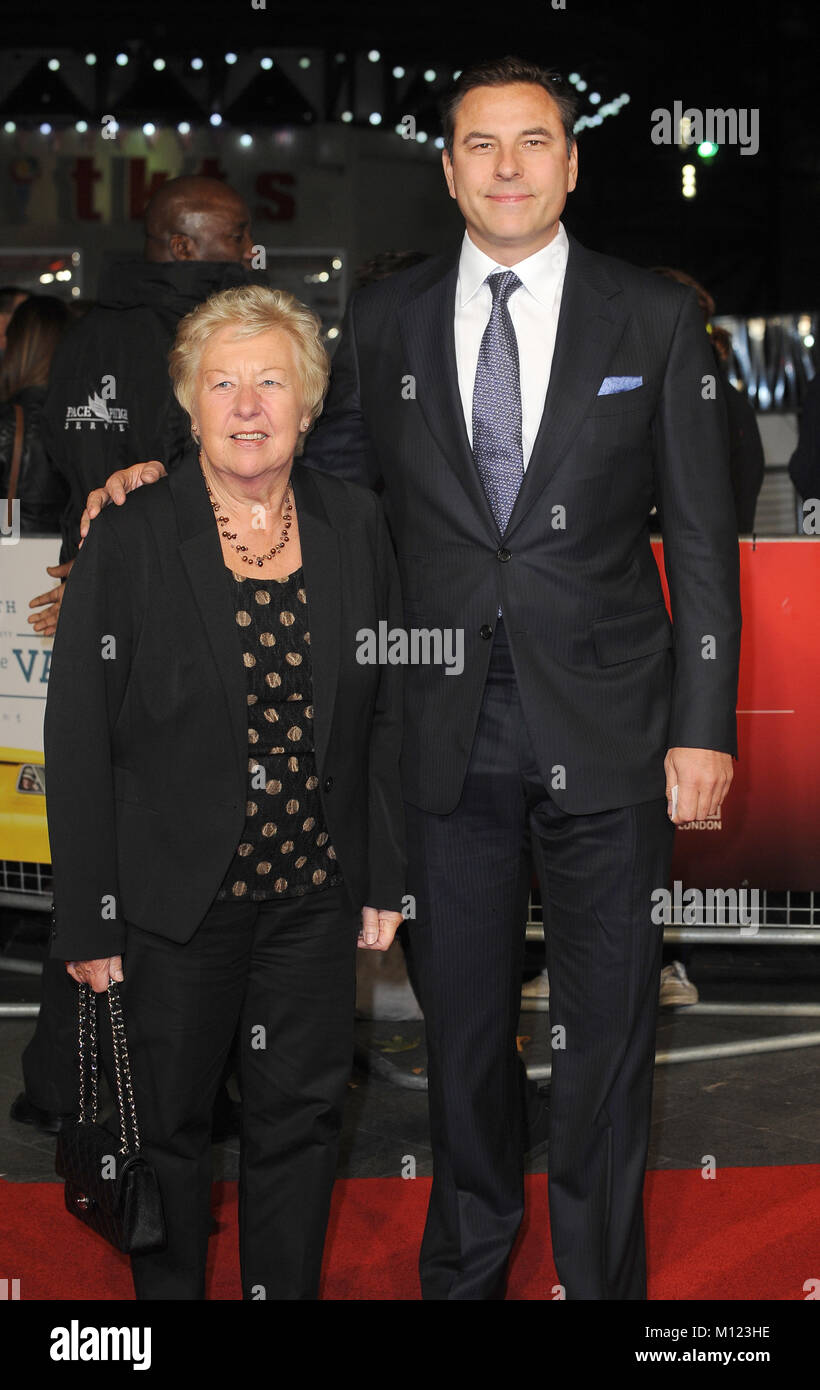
(539, 988)
(676, 987)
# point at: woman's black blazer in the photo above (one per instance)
(146, 742)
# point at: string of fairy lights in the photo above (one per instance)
(418, 77)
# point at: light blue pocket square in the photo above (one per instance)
(613, 384)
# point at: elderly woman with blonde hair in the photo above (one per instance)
(224, 771)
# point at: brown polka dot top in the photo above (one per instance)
(285, 849)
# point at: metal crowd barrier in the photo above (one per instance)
(786, 918)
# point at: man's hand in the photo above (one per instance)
(46, 623)
(703, 778)
(117, 488)
(96, 973)
(378, 929)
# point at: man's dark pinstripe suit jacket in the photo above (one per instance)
(607, 684)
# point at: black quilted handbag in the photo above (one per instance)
(109, 1186)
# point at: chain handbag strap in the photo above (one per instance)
(88, 1055)
(122, 1068)
(122, 1065)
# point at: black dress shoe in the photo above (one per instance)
(26, 1113)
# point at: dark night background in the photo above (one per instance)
(750, 234)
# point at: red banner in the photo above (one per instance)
(768, 835)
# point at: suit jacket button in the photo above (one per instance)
(486, 632)
(503, 555)
(328, 783)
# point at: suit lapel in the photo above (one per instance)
(590, 324)
(201, 555)
(427, 325)
(591, 321)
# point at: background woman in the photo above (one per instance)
(34, 330)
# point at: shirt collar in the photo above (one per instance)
(538, 273)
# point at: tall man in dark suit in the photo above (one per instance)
(523, 401)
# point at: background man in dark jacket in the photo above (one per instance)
(747, 463)
(804, 464)
(110, 402)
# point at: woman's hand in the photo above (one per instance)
(378, 928)
(96, 973)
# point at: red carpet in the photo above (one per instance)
(749, 1233)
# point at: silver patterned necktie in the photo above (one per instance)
(497, 445)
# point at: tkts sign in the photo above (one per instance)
(98, 412)
(48, 186)
(132, 185)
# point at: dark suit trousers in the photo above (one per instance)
(284, 971)
(470, 872)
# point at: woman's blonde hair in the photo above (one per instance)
(252, 309)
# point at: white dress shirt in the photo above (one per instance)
(534, 312)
